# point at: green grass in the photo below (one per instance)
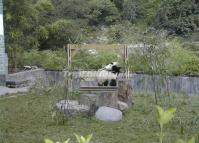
(28, 119)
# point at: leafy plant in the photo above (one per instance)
(163, 117)
(191, 140)
(50, 141)
(82, 139)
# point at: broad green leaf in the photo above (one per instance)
(83, 140)
(192, 140)
(164, 117)
(88, 138)
(160, 113)
(78, 138)
(48, 141)
(67, 141)
(180, 141)
(168, 115)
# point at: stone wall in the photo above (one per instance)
(30, 75)
(140, 82)
(2, 80)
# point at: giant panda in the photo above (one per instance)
(108, 75)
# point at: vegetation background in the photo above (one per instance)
(36, 30)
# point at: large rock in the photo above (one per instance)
(71, 106)
(125, 91)
(88, 99)
(108, 114)
(122, 106)
(108, 99)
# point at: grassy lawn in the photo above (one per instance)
(28, 119)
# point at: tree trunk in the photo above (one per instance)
(125, 91)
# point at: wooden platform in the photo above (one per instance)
(99, 88)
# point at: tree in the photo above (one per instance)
(71, 9)
(178, 16)
(132, 10)
(59, 33)
(102, 12)
(22, 20)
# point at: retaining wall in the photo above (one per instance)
(140, 82)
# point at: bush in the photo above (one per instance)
(85, 60)
(173, 59)
(52, 60)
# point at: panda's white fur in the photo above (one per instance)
(109, 66)
(106, 74)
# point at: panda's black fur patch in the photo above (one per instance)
(113, 82)
(115, 69)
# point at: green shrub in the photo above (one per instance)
(52, 60)
(172, 59)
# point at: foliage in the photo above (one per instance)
(82, 139)
(22, 19)
(62, 32)
(188, 65)
(49, 24)
(44, 5)
(51, 60)
(50, 141)
(103, 12)
(132, 10)
(71, 9)
(84, 60)
(163, 117)
(31, 122)
(165, 59)
(191, 140)
(178, 16)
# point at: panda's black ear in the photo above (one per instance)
(115, 69)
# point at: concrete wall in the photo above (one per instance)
(30, 75)
(140, 82)
(2, 80)
(176, 84)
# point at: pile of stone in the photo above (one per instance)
(71, 106)
(106, 106)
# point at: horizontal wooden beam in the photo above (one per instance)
(99, 88)
(94, 46)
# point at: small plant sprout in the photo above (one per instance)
(50, 141)
(163, 117)
(82, 139)
(191, 140)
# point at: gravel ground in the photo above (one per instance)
(6, 90)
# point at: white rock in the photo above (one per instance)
(122, 106)
(108, 114)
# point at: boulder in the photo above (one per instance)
(122, 106)
(108, 114)
(88, 99)
(125, 91)
(108, 99)
(71, 106)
